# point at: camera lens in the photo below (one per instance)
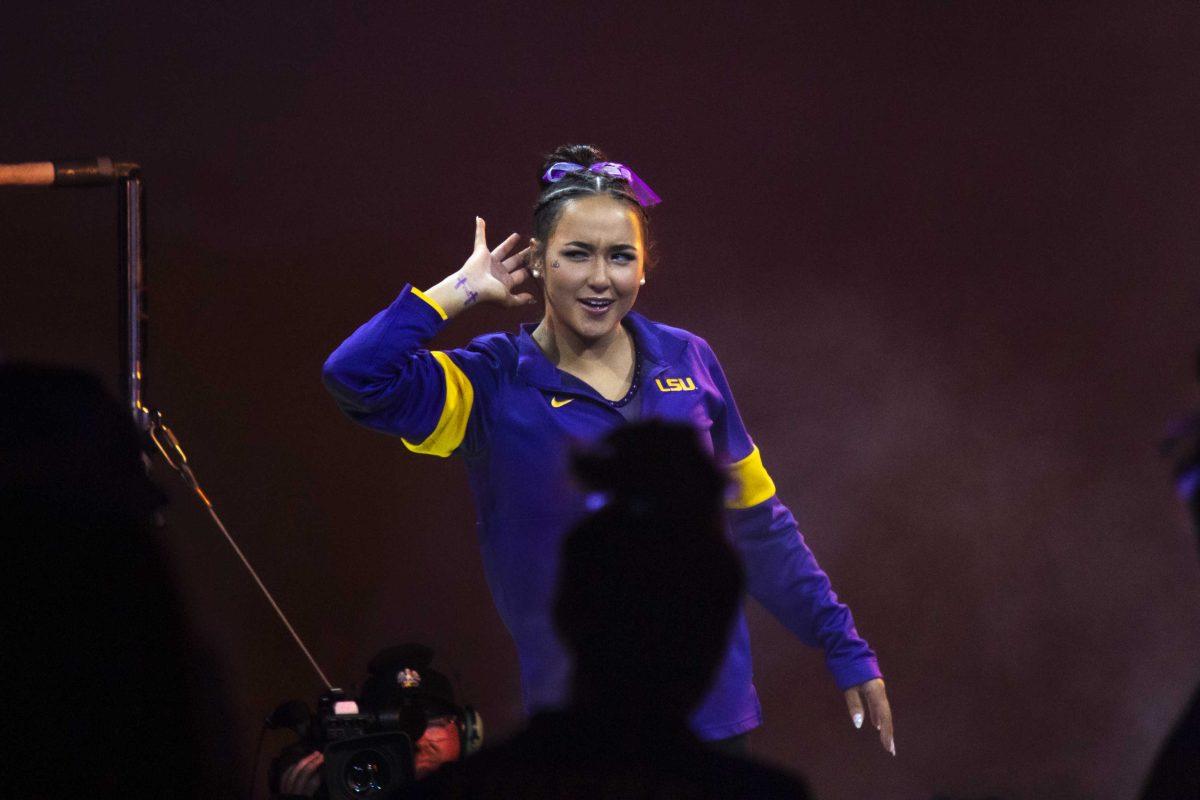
(366, 773)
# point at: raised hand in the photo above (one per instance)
(487, 276)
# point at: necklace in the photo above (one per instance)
(637, 377)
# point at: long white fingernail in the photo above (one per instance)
(858, 720)
(892, 747)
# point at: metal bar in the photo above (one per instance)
(131, 223)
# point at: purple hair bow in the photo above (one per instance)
(644, 194)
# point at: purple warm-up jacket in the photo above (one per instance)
(514, 418)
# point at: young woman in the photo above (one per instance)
(513, 406)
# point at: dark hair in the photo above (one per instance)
(554, 196)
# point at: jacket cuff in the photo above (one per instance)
(412, 301)
(432, 303)
(856, 672)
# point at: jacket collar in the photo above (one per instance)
(659, 348)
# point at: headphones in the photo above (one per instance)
(470, 731)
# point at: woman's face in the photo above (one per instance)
(593, 265)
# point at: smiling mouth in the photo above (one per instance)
(596, 305)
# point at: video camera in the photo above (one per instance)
(370, 744)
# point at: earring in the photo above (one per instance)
(642, 282)
(535, 273)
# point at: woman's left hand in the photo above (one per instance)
(876, 699)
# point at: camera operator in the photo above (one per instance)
(401, 678)
(440, 744)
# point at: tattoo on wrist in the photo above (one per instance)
(471, 296)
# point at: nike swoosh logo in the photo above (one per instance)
(554, 401)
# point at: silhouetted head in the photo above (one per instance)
(67, 444)
(96, 632)
(648, 585)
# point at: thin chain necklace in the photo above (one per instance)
(637, 377)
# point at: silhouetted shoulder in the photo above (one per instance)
(564, 757)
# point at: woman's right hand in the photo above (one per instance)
(498, 272)
(487, 276)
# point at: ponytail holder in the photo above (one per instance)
(643, 193)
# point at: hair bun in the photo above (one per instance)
(583, 154)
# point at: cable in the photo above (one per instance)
(159, 427)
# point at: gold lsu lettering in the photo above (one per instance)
(675, 385)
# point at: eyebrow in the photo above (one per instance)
(586, 246)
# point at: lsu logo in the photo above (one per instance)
(676, 385)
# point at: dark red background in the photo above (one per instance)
(947, 253)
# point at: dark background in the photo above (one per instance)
(947, 253)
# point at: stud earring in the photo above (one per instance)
(535, 273)
(642, 282)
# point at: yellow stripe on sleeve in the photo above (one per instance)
(432, 303)
(751, 483)
(452, 425)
